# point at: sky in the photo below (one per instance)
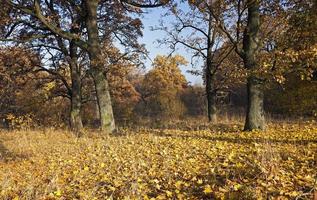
(151, 18)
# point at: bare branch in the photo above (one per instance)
(146, 4)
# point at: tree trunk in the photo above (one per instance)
(104, 102)
(212, 109)
(97, 68)
(75, 115)
(255, 113)
(210, 75)
(211, 97)
(74, 92)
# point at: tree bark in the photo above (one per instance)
(75, 113)
(210, 75)
(97, 68)
(75, 90)
(255, 112)
(104, 102)
(75, 116)
(211, 96)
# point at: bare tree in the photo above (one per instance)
(197, 31)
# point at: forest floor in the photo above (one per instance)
(219, 163)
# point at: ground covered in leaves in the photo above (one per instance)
(280, 163)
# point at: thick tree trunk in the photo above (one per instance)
(210, 75)
(212, 109)
(104, 102)
(97, 68)
(255, 113)
(71, 54)
(211, 97)
(75, 115)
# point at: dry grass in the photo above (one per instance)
(280, 163)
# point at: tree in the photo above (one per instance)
(16, 64)
(298, 46)
(294, 98)
(27, 95)
(255, 111)
(295, 60)
(97, 69)
(194, 100)
(245, 17)
(56, 51)
(122, 72)
(95, 23)
(197, 31)
(161, 87)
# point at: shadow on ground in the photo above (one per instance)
(237, 140)
(6, 155)
(184, 126)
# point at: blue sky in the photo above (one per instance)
(151, 18)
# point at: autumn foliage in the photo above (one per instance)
(160, 164)
(86, 112)
(162, 86)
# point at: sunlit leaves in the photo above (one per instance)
(155, 164)
(161, 87)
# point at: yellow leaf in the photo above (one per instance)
(207, 189)
(161, 197)
(112, 188)
(239, 165)
(178, 184)
(294, 194)
(237, 186)
(58, 193)
(200, 181)
(169, 193)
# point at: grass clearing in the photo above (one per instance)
(279, 163)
